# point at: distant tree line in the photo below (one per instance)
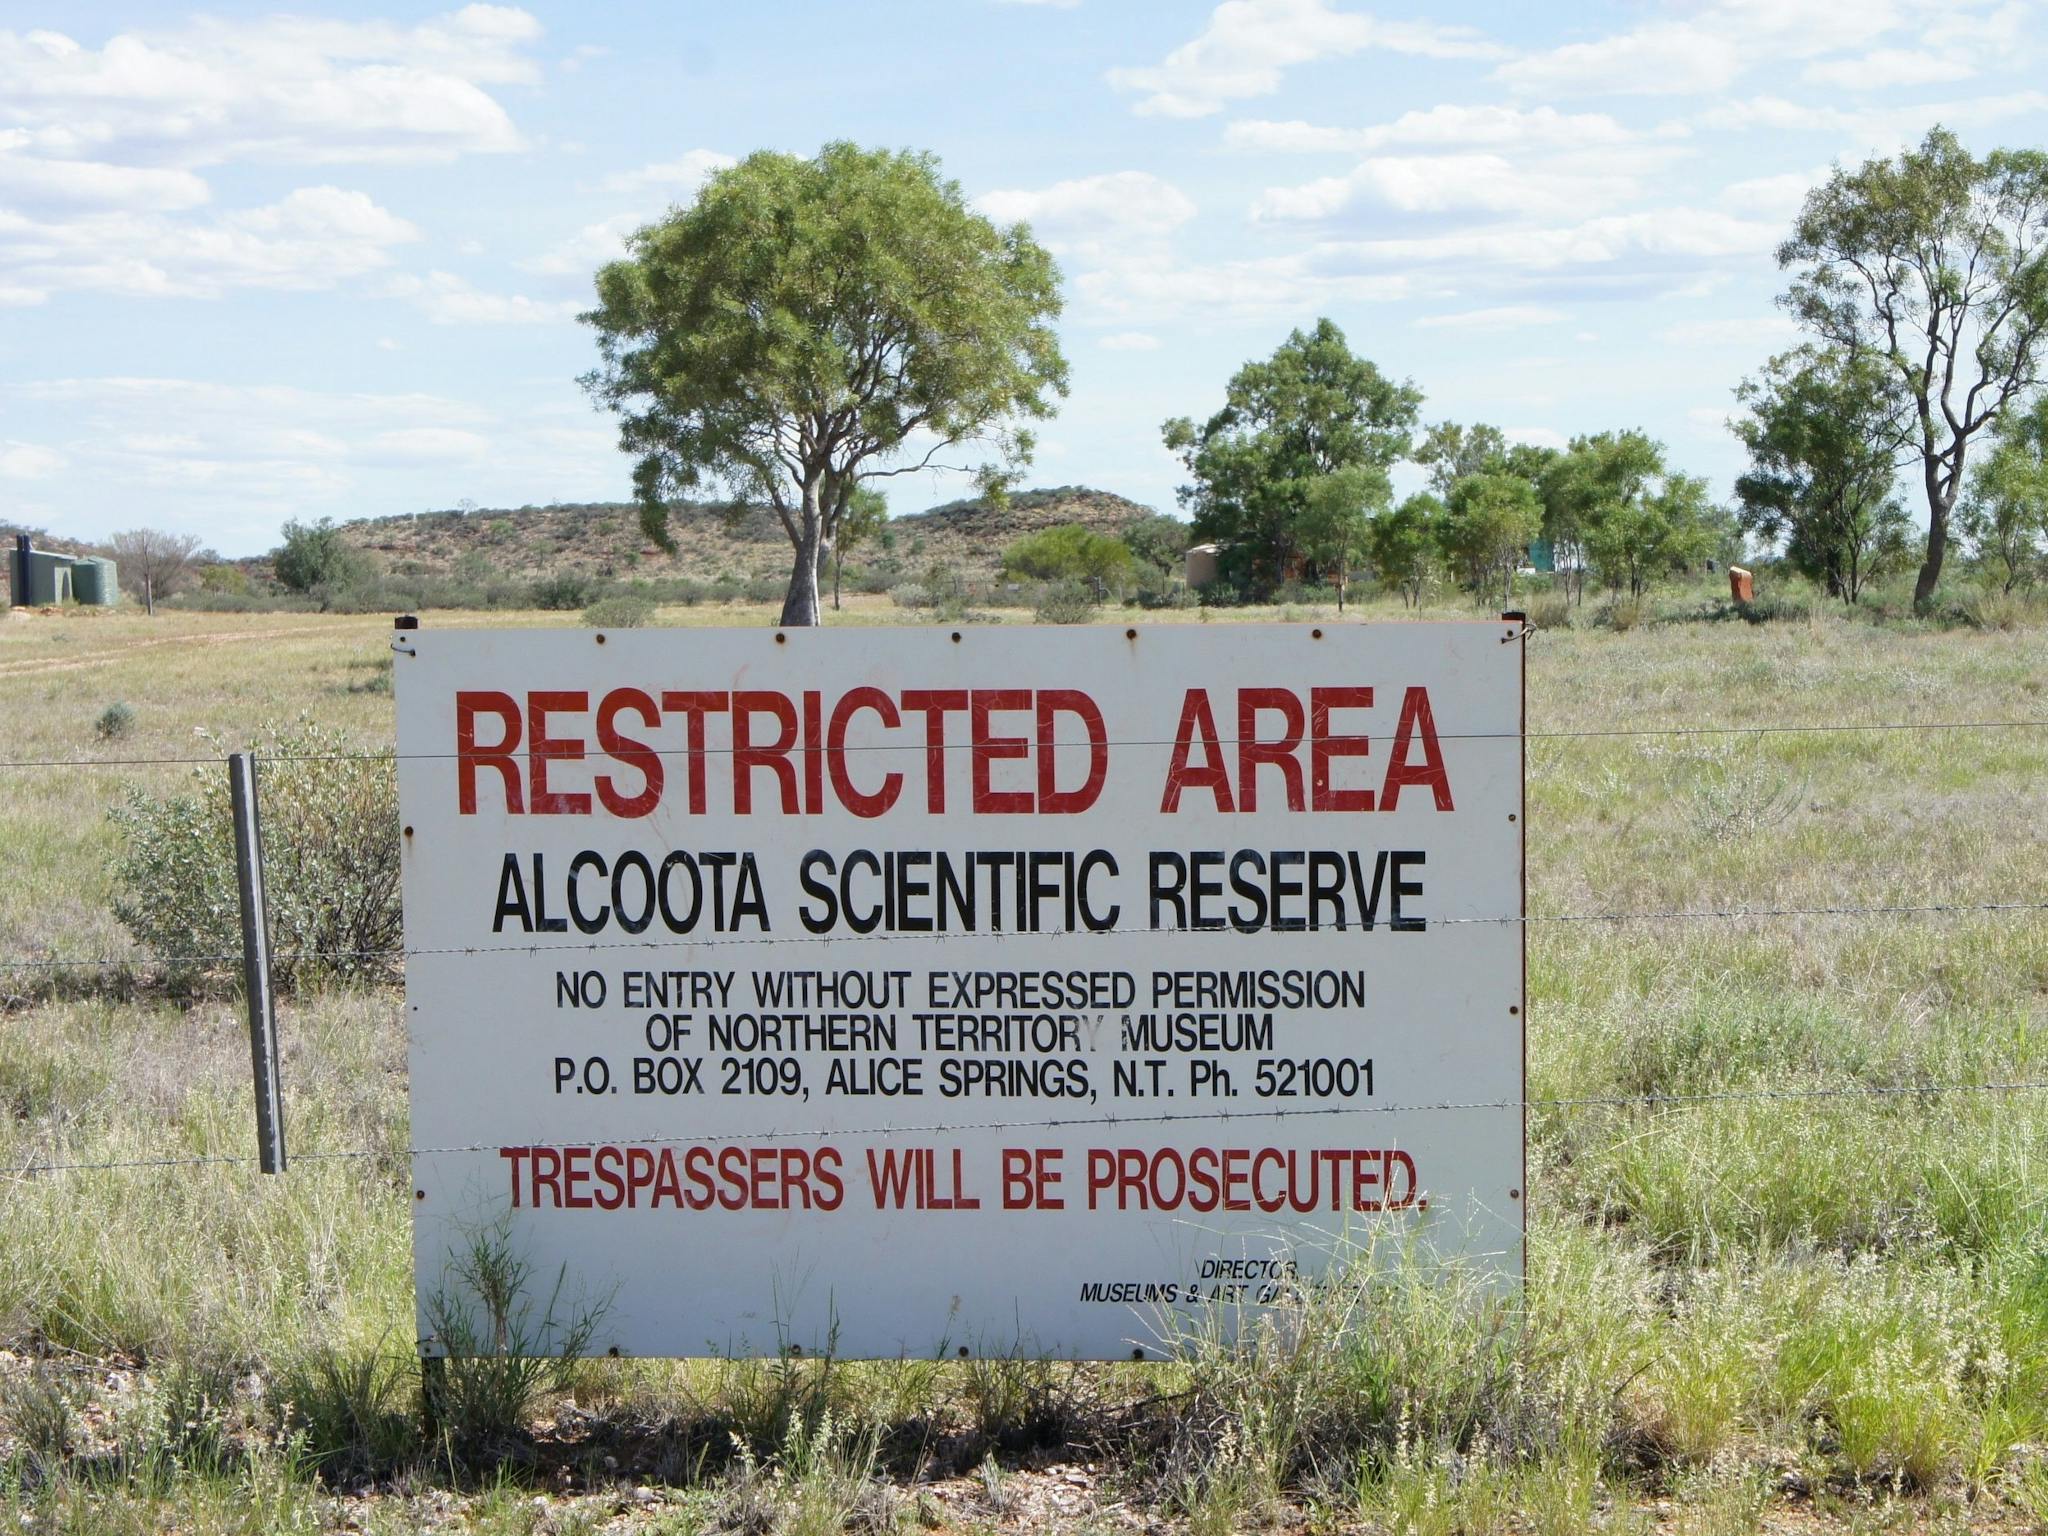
(1922, 283)
(1291, 480)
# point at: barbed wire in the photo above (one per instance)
(1864, 1091)
(1614, 732)
(722, 941)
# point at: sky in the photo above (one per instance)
(262, 264)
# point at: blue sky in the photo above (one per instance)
(258, 264)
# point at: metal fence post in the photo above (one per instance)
(256, 963)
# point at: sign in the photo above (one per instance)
(898, 990)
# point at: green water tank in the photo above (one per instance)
(92, 582)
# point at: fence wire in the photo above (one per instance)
(1652, 1101)
(1876, 1092)
(725, 941)
(1603, 733)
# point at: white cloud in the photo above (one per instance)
(1088, 208)
(1650, 240)
(231, 461)
(1712, 48)
(446, 298)
(426, 445)
(26, 461)
(1884, 68)
(1159, 289)
(1503, 317)
(31, 180)
(313, 238)
(686, 173)
(1249, 44)
(1732, 331)
(387, 344)
(1537, 437)
(281, 88)
(1771, 197)
(588, 249)
(1486, 183)
(1129, 341)
(1658, 60)
(1870, 129)
(1448, 125)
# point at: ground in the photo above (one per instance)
(1744, 1312)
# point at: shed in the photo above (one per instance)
(1200, 565)
(49, 579)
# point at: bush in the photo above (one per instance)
(1550, 610)
(115, 721)
(1065, 602)
(766, 589)
(314, 557)
(563, 591)
(1069, 552)
(330, 835)
(224, 578)
(620, 611)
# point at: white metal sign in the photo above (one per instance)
(896, 990)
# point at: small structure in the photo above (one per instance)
(1741, 585)
(41, 578)
(1199, 565)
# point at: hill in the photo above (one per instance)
(604, 538)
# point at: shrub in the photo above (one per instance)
(506, 1344)
(766, 589)
(115, 721)
(1069, 552)
(1624, 614)
(562, 591)
(910, 595)
(1552, 610)
(330, 846)
(314, 556)
(224, 578)
(1065, 602)
(620, 611)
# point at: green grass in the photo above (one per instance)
(1833, 1310)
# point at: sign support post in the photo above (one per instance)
(256, 963)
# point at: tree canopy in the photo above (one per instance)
(1936, 264)
(1311, 410)
(1824, 431)
(2006, 515)
(810, 324)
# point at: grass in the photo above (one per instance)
(1833, 1311)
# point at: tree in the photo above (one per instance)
(2006, 515)
(1452, 452)
(153, 562)
(1595, 477)
(1936, 263)
(1157, 542)
(867, 509)
(1403, 544)
(1825, 430)
(1336, 519)
(316, 557)
(1310, 410)
(808, 325)
(1656, 534)
(1488, 524)
(1069, 552)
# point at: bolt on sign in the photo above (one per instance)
(895, 991)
